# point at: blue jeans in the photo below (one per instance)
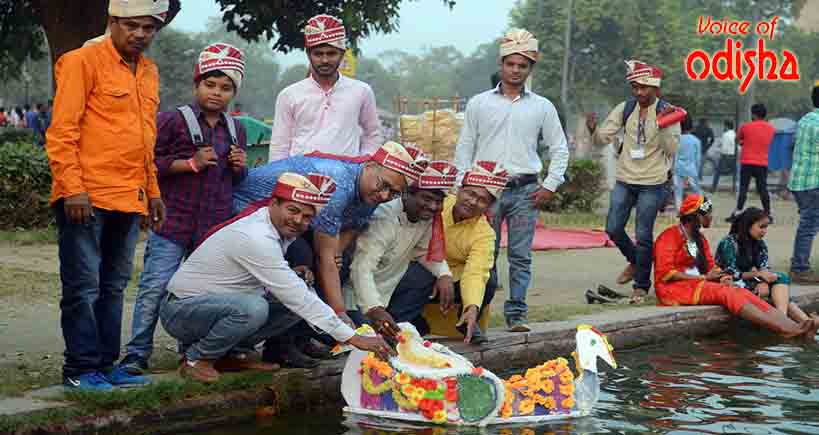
(96, 260)
(679, 190)
(162, 259)
(808, 203)
(211, 326)
(520, 214)
(647, 200)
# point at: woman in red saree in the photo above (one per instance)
(684, 274)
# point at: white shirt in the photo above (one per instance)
(506, 131)
(342, 121)
(727, 143)
(383, 254)
(247, 256)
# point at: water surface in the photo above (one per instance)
(742, 383)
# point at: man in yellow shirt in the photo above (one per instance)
(470, 254)
(101, 151)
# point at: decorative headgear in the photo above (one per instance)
(488, 175)
(439, 175)
(519, 41)
(325, 29)
(139, 8)
(694, 203)
(221, 57)
(643, 73)
(157, 9)
(408, 161)
(314, 189)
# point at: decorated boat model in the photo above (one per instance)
(429, 383)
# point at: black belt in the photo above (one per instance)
(521, 180)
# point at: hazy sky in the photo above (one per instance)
(424, 23)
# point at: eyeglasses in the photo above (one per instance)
(384, 186)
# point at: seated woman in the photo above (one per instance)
(685, 274)
(744, 253)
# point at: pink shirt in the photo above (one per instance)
(341, 121)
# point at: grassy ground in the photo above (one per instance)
(29, 237)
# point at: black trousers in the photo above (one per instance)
(760, 175)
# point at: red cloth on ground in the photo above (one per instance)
(671, 256)
(547, 239)
(755, 137)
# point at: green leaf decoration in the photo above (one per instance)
(476, 397)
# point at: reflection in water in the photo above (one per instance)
(745, 383)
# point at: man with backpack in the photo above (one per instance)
(644, 159)
(200, 156)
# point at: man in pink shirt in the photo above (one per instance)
(325, 112)
(754, 139)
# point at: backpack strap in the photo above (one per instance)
(231, 124)
(631, 103)
(193, 125)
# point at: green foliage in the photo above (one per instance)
(25, 185)
(16, 135)
(282, 21)
(582, 189)
(20, 36)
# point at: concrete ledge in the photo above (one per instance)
(320, 388)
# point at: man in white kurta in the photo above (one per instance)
(402, 231)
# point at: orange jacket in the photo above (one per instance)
(103, 129)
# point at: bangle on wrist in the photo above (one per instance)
(192, 165)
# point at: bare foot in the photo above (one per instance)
(627, 275)
(810, 334)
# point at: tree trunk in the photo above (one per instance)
(68, 24)
(567, 48)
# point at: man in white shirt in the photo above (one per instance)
(402, 231)
(236, 289)
(502, 125)
(325, 112)
(727, 149)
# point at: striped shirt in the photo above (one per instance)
(805, 171)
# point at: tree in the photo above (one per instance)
(69, 23)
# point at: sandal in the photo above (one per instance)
(609, 293)
(594, 298)
(638, 296)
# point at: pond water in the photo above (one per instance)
(743, 383)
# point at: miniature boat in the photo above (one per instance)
(429, 383)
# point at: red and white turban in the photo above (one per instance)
(139, 8)
(406, 160)
(488, 175)
(314, 189)
(325, 29)
(439, 175)
(643, 73)
(519, 41)
(221, 57)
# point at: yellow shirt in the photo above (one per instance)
(470, 252)
(103, 129)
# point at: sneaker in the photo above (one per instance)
(93, 381)
(120, 377)
(200, 371)
(806, 277)
(517, 325)
(134, 365)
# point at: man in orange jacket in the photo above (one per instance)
(101, 151)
